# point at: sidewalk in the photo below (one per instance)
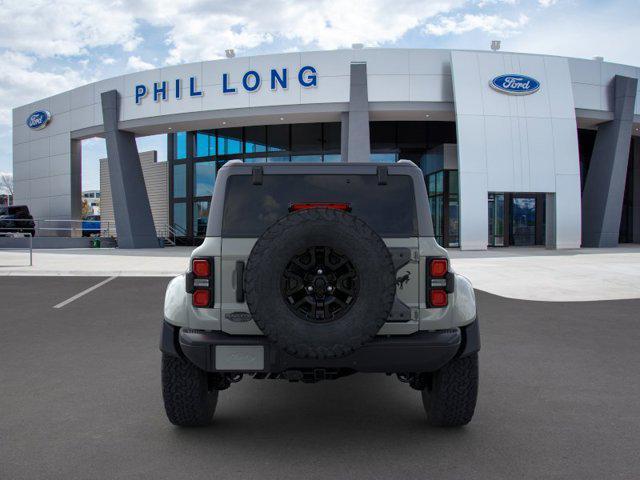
(553, 275)
(97, 262)
(521, 273)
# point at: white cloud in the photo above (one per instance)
(135, 64)
(583, 34)
(493, 24)
(21, 83)
(325, 24)
(547, 3)
(66, 27)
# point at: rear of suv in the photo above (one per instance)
(314, 272)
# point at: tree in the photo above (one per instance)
(86, 209)
(6, 186)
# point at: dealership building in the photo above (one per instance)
(516, 149)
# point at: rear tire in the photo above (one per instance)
(450, 395)
(189, 400)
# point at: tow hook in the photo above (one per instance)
(417, 381)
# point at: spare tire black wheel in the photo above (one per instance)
(320, 283)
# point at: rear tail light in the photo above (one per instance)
(440, 282)
(201, 267)
(296, 207)
(438, 267)
(200, 282)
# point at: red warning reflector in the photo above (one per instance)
(438, 298)
(200, 298)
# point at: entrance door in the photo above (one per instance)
(496, 220)
(523, 220)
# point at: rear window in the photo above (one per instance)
(388, 209)
(18, 211)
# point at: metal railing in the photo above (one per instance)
(51, 227)
(74, 228)
(17, 235)
(170, 232)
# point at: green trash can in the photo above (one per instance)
(95, 243)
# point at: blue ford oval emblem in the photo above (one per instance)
(38, 119)
(515, 84)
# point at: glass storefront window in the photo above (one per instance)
(180, 146)
(306, 137)
(307, 158)
(194, 180)
(384, 157)
(200, 218)
(180, 180)
(331, 133)
(383, 135)
(453, 182)
(278, 137)
(496, 220)
(440, 182)
(255, 139)
(204, 177)
(205, 144)
(454, 209)
(229, 141)
(180, 217)
(412, 135)
(278, 159)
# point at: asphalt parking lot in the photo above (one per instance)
(80, 398)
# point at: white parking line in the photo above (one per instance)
(84, 292)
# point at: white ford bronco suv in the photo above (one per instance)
(312, 272)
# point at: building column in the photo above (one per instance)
(134, 222)
(355, 123)
(604, 188)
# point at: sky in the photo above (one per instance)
(50, 46)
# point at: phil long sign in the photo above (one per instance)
(275, 79)
(515, 84)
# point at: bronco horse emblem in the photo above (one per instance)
(400, 281)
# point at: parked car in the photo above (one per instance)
(91, 225)
(313, 272)
(16, 219)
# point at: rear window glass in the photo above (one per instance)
(388, 209)
(18, 211)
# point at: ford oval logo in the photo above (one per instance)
(38, 119)
(515, 84)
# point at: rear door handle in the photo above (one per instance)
(239, 281)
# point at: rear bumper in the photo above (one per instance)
(419, 352)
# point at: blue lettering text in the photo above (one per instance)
(141, 92)
(192, 88)
(310, 80)
(225, 84)
(157, 91)
(275, 77)
(256, 81)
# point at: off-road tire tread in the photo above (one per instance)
(188, 401)
(273, 233)
(451, 400)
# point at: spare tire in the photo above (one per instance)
(319, 283)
